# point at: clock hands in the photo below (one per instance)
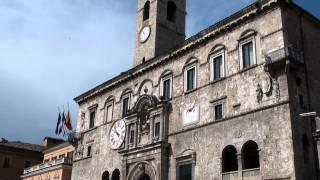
(117, 134)
(115, 131)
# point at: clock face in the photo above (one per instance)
(144, 34)
(117, 134)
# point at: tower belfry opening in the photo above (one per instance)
(146, 11)
(160, 26)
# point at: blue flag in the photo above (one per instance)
(62, 123)
(58, 123)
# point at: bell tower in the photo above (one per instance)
(160, 25)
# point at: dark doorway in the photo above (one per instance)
(145, 177)
(105, 175)
(146, 11)
(184, 172)
(171, 11)
(229, 159)
(250, 155)
(115, 175)
(305, 145)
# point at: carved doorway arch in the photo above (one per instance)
(142, 171)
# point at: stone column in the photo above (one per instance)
(240, 174)
(151, 128)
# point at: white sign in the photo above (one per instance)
(191, 115)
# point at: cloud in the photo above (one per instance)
(55, 50)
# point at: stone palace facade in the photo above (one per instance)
(223, 104)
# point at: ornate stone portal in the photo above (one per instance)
(145, 148)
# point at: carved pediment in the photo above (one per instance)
(145, 101)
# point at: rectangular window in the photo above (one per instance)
(157, 129)
(185, 172)
(109, 113)
(6, 163)
(167, 89)
(301, 101)
(27, 164)
(92, 118)
(218, 112)
(125, 106)
(247, 54)
(89, 151)
(190, 79)
(131, 135)
(70, 155)
(217, 68)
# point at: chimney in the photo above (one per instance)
(3, 140)
(49, 142)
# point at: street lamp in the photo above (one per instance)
(309, 114)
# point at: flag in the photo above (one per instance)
(68, 121)
(58, 123)
(62, 123)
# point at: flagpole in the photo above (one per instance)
(64, 123)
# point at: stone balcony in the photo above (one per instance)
(60, 161)
(281, 57)
(285, 53)
(248, 174)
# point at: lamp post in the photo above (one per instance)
(315, 130)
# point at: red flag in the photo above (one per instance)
(68, 121)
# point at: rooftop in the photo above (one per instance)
(203, 36)
(21, 145)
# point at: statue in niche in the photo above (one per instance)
(277, 88)
(144, 121)
(259, 93)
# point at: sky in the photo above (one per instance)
(53, 50)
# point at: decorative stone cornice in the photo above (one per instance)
(218, 29)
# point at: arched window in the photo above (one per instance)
(48, 177)
(229, 159)
(217, 62)
(305, 145)
(250, 155)
(146, 11)
(190, 75)
(109, 107)
(247, 49)
(171, 11)
(125, 98)
(115, 175)
(166, 81)
(105, 175)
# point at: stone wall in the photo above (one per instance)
(303, 81)
(268, 123)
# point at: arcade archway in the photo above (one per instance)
(142, 171)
